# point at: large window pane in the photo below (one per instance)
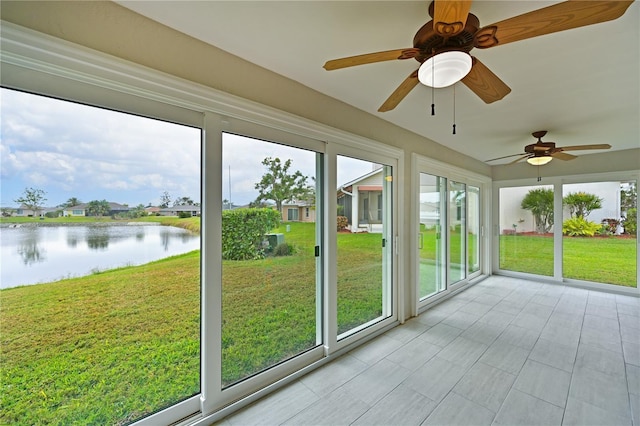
(269, 279)
(364, 243)
(526, 229)
(431, 241)
(457, 232)
(100, 261)
(599, 242)
(473, 228)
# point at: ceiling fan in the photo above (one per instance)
(541, 153)
(443, 44)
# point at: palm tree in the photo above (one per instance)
(540, 202)
(581, 203)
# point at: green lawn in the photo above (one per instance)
(609, 260)
(111, 347)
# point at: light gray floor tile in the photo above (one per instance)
(414, 354)
(554, 354)
(485, 385)
(509, 307)
(461, 320)
(459, 411)
(602, 311)
(572, 321)
(277, 407)
(635, 408)
(561, 334)
(600, 323)
(628, 309)
(522, 409)
(580, 413)
(482, 332)
(608, 362)
(629, 334)
(441, 334)
(403, 406)
(519, 336)
(498, 318)
(530, 321)
(451, 305)
(435, 378)
(599, 298)
(545, 300)
(506, 357)
(475, 308)
(337, 408)
(629, 321)
(407, 331)
(602, 390)
(463, 351)
(373, 351)
(633, 379)
(331, 376)
(544, 382)
(540, 311)
(631, 353)
(431, 317)
(631, 301)
(377, 381)
(489, 298)
(605, 339)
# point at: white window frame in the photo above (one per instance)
(45, 65)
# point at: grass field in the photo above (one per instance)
(113, 346)
(610, 260)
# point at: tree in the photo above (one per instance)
(165, 200)
(137, 211)
(279, 185)
(629, 197)
(540, 202)
(183, 201)
(98, 208)
(73, 201)
(581, 203)
(32, 199)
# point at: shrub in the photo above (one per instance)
(609, 226)
(581, 203)
(579, 227)
(540, 202)
(283, 249)
(343, 222)
(243, 231)
(629, 222)
(184, 215)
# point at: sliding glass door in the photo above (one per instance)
(364, 244)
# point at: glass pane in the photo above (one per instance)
(364, 243)
(457, 231)
(100, 299)
(473, 228)
(599, 242)
(431, 244)
(269, 304)
(526, 229)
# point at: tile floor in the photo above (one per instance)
(506, 351)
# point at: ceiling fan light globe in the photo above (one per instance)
(444, 69)
(539, 161)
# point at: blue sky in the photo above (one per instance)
(72, 150)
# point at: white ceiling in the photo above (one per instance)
(582, 85)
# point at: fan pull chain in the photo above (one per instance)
(539, 177)
(454, 109)
(433, 72)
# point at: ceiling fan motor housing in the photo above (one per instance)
(430, 43)
(540, 148)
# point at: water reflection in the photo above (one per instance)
(32, 254)
(29, 250)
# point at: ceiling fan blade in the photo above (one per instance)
(485, 83)
(388, 55)
(519, 159)
(399, 94)
(506, 156)
(583, 147)
(562, 156)
(551, 19)
(450, 17)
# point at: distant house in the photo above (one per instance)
(81, 209)
(298, 211)
(152, 210)
(24, 211)
(361, 202)
(176, 210)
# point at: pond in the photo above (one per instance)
(37, 254)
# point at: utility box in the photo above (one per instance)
(274, 240)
